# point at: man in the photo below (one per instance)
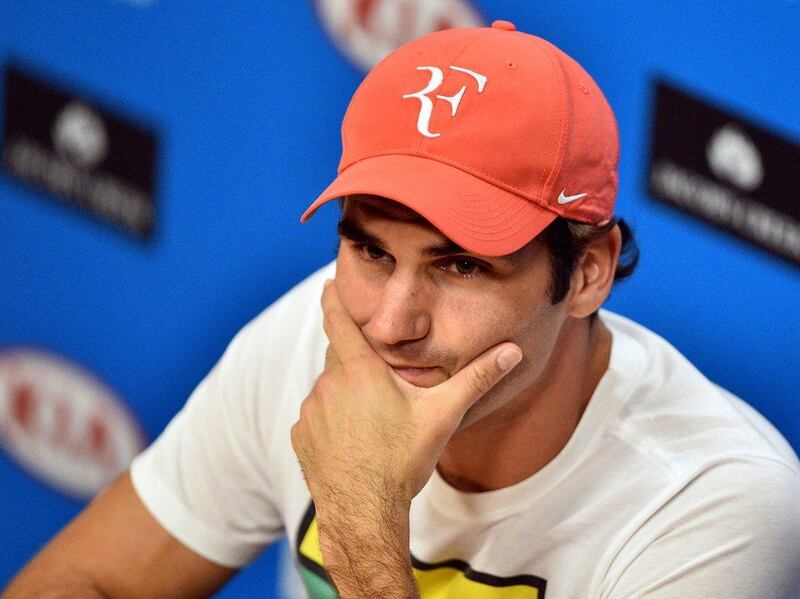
(467, 422)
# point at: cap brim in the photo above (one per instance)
(478, 216)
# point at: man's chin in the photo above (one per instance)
(422, 377)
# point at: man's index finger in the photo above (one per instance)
(344, 335)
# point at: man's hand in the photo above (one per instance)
(368, 441)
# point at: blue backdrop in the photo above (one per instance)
(247, 97)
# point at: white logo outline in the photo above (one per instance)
(80, 135)
(565, 199)
(426, 104)
(734, 158)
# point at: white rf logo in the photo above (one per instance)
(426, 104)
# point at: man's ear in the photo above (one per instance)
(594, 275)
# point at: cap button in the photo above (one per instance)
(507, 25)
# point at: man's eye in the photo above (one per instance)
(466, 267)
(372, 252)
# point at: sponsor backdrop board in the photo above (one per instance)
(156, 158)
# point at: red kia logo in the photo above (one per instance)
(62, 424)
(367, 30)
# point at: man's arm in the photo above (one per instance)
(115, 548)
(368, 441)
(366, 551)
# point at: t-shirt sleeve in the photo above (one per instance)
(734, 531)
(210, 478)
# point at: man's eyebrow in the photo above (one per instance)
(450, 248)
(350, 229)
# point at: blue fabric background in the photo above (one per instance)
(247, 98)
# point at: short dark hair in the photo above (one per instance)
(567, 240)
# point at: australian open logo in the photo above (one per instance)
(367, 30)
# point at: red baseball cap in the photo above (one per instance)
(488, 133)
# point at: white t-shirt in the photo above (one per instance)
(669, 487)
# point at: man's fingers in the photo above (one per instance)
(344, 335)
(331, 359)
(476, 378)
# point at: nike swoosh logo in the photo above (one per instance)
(562, 199)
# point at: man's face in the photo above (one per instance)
(428, 307)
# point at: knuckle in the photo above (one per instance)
(296, 436)
(323, 387)
(332, 320)
(481, 379)
(329, 353)
(302, 417)
(305, 411)
(325, 297)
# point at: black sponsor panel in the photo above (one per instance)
(727, 171)
(74, 149)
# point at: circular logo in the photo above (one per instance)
(733, 157)
(62, 424)
(80, 135)
(367, 30)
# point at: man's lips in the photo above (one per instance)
(410, 366)
(422, 376)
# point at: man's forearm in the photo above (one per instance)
(367, 441)
(367, 555)
(43, 584)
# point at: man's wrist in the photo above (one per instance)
(365, 548)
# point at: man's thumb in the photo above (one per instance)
(483, 373)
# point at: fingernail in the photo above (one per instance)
(508, 358)
(327, 283)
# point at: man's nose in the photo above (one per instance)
(402, 312)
